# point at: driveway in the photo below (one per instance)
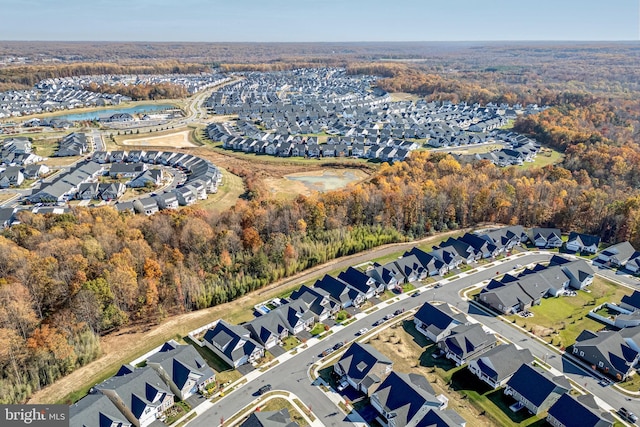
(276, 350)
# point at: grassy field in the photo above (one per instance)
(228, 193)
(477, 149)
(560, 320)
(545, 157)
(411, 351)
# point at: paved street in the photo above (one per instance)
(292, 374)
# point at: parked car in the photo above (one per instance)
(438, 285)
(363, 331)
(343, 385)
(627, 415)
(264, 389)
(389, 316)
(399, 311)
(415, 294)
(338, 345)
(327, 352)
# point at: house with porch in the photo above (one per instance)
(362, 282)
(233, 344)
(497, 365)
(546, 237)
(467, 341)
(536, 389)
(580, 411)
(363, 367)
(437, 321)
(579, 242)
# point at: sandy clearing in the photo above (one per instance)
(174, 140)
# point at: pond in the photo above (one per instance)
(101, 114)
(326, 180)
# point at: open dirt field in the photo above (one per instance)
(328, 179)
(174, 140)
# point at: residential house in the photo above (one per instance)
(167, 200)
(437, 321)
(182, 368)
(579, 242)
(445, 418)
(463, 249)
(118, 156)
(631, 302)
(546, 237)
(633, 263)
(506, 238)
(362, 282)
(150, 177)
(483, 248)
(579, 272)
(7, 216)
(186, 195)
(404, 399)
(269, 329)
(431, 264)
(581, 411)
(12, 176)
(101, 157)
(340, 291)
(536, 389)
(614, 353)
(279, 418)
(388, 275)
(35, 171)
(139, 393)
(363, 367)
(317, 301)
(448, 256)
(96, 410)
(146, 205)
(411, 268)
(617, 255)
(497, 365)
(299, 315)
(74, 144)
(88, 191)
(233, 344)
(467, 341)
(126, 170)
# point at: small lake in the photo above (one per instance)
(103, 114)
(326, 181)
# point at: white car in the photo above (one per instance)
(363, 331)
(342, 385)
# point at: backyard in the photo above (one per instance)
(411, 351)
(560, 320)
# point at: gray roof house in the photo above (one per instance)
(182, 368)
(186, 195)
(167, 200)
(506, 238)
(411, 267)
(631, 302)
(340, 291)
(96, 410)
(617, 255)
(140, 394)
(360, 281)
(363, 367)
(578, 242)
(146, 205)
(466, 342)
(269, 329)
(613, 352)
(403, 399)
(536, 388)
(432, 265)
(233, 344)
(445, 418)
(546, 237)
(388, 275)
(581, 411)
(437, 321)
(279, 418)
(497, 365)
(151, 177)
(316, 305)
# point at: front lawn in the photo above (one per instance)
(318, 328)
(560, 320)
(290, 342)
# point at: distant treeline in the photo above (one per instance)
(26, 76)
(143, 92)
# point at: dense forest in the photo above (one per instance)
(67, 279)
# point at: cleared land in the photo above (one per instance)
(171, 140)
(291, 185)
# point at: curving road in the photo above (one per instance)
(291, 374)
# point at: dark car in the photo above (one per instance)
(415, 294)
(627, 415)
(264, 389)
(338, 345)
(399, 311)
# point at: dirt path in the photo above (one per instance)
(125, 345)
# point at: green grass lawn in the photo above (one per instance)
(279, 403)
(545, 158)
(562, 319)
(290, 342)
(224, 372)
(318, 328)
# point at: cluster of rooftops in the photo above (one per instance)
(277, 113)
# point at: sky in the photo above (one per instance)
(319, 20)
